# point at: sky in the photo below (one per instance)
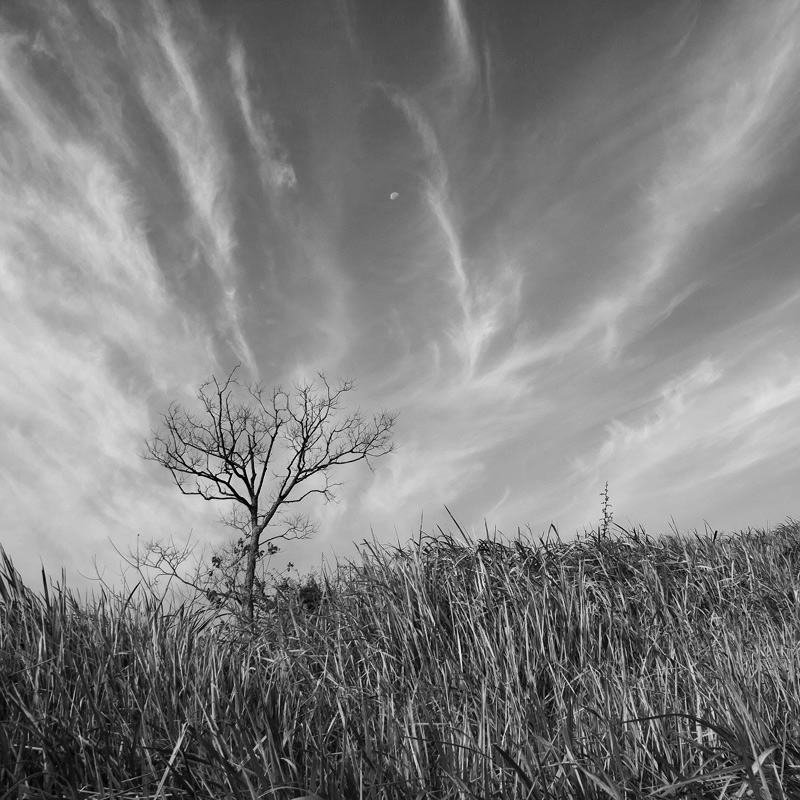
(559, 240)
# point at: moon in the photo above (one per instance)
(394, 196)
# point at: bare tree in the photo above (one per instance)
(266, 451)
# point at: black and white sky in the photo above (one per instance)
(560, 239)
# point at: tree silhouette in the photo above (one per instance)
(267, 452)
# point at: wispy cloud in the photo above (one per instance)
(723, 418)
(464, 64)
(86, 308)
(657, 437)
(177, 102)
(486, 294)
(276, 171)
(720, 142)
(473, 368)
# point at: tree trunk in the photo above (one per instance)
(252, 557)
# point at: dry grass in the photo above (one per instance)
(608, 668)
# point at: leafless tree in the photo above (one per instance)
(267, 452)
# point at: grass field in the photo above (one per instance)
(609, 667)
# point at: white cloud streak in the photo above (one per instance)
(464, 64)
(176, 101)
(720, 420)
(90, 332)
(735, 100)
(274, 167)
(476, 386)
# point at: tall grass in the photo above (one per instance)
(608, 667)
